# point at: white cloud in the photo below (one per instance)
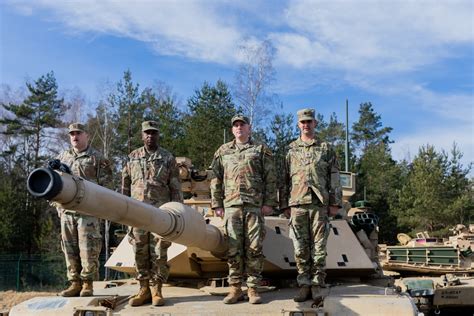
(194, 29)
(449, 105)
(441, 137)
(453, 106)
(377, 46)
(23, 9)
(373, 37)
(368, 37)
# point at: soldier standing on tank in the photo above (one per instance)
(150, 176)
(312, 190)
(245, 186)
(81, 240)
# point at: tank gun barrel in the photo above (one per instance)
(173, 221)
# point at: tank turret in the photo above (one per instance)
(196, 252)
(173, 221)
(199, 246)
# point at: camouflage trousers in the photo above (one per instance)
(245, 229)
(309, 232)
(151, 255)
(81, 243)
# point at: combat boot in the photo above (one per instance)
(87, 288)
(235, 294)
(316, 293)
(303, 294)
(143, 296)
(73, 290)
(156, 296)
(254, 296)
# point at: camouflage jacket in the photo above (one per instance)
(245, 175)
(90, 165)
(152, 178)
(311, 167)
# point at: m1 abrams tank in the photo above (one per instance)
(446, 266)
(433, 256)
(198, 252)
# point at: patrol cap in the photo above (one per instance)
(240, 117)
(305, 115)
(149, 125)
(77, 127)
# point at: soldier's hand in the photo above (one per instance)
(219, 212)
(267, 210)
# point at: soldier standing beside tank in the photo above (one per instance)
(150, 176)
(312, 189)
(80, 234)
(245, 186)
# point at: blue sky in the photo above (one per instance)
(414, 60)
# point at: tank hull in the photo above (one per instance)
(341, 300)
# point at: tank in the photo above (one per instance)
(436, 273)
(198, 254)
(432, 256)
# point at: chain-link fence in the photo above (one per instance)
(22, 272)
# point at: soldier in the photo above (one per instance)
(150, 176)
(80, 234)
(312, 189)
(245, 185)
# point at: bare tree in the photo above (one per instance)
(164, 92)
(77, 105)
(254, 76)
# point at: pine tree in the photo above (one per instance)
(368, 129)
(41, 110)
(458, 188)
(163, 108)
(333, 133)
(378, 174)
(283, 131)
(423, 200)
(207, 122)
(30, 126)
(129, 106)
(379, 178)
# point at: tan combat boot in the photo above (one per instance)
(316, 293)
(73, 290)
(303, 294)
(235, 294)
(143, 296)
(156, 296)
(87, 289)
(254, 297)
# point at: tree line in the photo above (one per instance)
(432, 192)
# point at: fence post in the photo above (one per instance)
(18, 274)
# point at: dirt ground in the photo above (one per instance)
(10, 298)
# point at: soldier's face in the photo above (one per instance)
(150, 138)
(241, 130)
(79, 140)
(307, 127)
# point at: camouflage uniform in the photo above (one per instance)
(244, 181)
(153, 178)
(311, 185)
(80, 234)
